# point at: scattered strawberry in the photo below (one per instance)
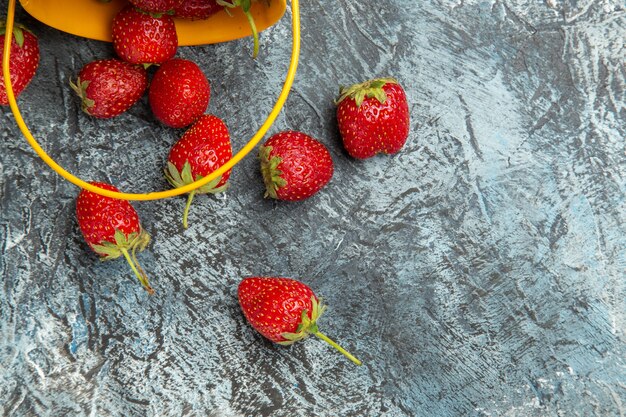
(111, 228)
(197, 9)
(179, 93)
(294, 166)
(245, 6)
(109, 87)
(201, 150)
(156, 6)
(24, 59)
(373, 117)
(283, 310)
(141, 38)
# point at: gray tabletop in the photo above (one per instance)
(480, 272)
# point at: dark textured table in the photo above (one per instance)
(479, 272)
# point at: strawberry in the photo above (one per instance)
(141, 38)
(109, 87)
(24, 59)
(156, 6)
(197, 9)
(283, 310)
(294, 166)
(111, 228)
(179, 93)
(201, 150)
(373, 117)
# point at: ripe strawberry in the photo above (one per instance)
(111, 228)
(294, 166)
(23, 62)
(156, 6)
(109, 87)
(373, 117)
(179, 93)
(201, 150)
(141, 38)
(197, 9)
(283, 310)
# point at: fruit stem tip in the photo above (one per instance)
(339, 348)
(138, 271)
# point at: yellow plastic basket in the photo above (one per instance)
(89, 19)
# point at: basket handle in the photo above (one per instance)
(157, 195)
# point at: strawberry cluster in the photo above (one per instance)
(372, 117)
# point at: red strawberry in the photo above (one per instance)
(156, 6)
(294, 166)
(111, 228)
(373, 117)
(109, 87)
(179, 93)
(141, 38)
(283, 310)
(201, 150)
(24, 59)
(197, 9)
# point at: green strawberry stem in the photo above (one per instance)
(134, 265)
(308, 325)
(186, 211)
(139, 268)
(336, 346)
(245, 6)
(186, 177)
(255, 34)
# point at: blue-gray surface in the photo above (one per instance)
(479, 272)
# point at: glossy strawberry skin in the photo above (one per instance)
(374, 127)
(274, 305)
(294, 166)
(197, 9)
(23, 62)
(140, 38)
(156, 6)
(99, 217)
(206, 146)
(111, 228)
(179, 93)
(109, 87)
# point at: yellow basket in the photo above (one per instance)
(89, 18)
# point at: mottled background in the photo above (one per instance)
(480, 272)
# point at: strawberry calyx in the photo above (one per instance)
(80, 88)
(18, 32)
(127, 246)
(113, 250)
(184, 177)
(308, 325)
(272, 176)
(367, 89)
(245, 6)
